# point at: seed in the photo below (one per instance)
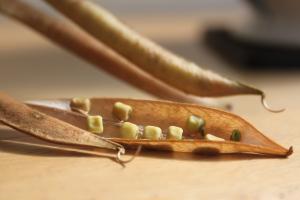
(95, 124)
(235, 135)
(152, 133)
(122, 111)
(195, 124)
(213, 138)
(129, 130)
(80, 103)
(174, 133)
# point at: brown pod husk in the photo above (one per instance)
(164, 114)
(149, 56)
(77, 41)
(21, 117)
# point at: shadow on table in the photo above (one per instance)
(17, 143)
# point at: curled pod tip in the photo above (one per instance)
(266, 105)
(121, 151)
(247, 89)
(290, 151)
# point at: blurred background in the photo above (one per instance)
(33, 67)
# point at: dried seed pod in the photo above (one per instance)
(95, 124)
(129, 130)
(30, 121)
(122, 111)
(218, 122)
(174, 133)
(152, 133)
(181, 74)
(85, 46)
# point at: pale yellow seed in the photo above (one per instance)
(95, 124)
(174, 133)
(152, 133)
(213, 138)
(122, 111)
(194, 123)
(80, 103)
(129, 130)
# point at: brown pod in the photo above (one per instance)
(164, 114)
(77, 41)
(21, 117)
(149, 56)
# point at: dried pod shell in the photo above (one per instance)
(144, 53)
(164, 114)
(21, 117)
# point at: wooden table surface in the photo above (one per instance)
(31, 68)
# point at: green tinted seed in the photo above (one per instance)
(195, 124)
(95, 124)
(235, 135)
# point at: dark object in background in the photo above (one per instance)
(252, 54)
(271, 40)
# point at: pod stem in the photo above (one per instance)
(122, 152)
(267, 106)
(255, 91)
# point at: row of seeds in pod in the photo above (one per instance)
(130, 130)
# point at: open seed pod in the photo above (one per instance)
(164, 114)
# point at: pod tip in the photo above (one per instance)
(266, 105)
(121, 151)
(289, 152)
